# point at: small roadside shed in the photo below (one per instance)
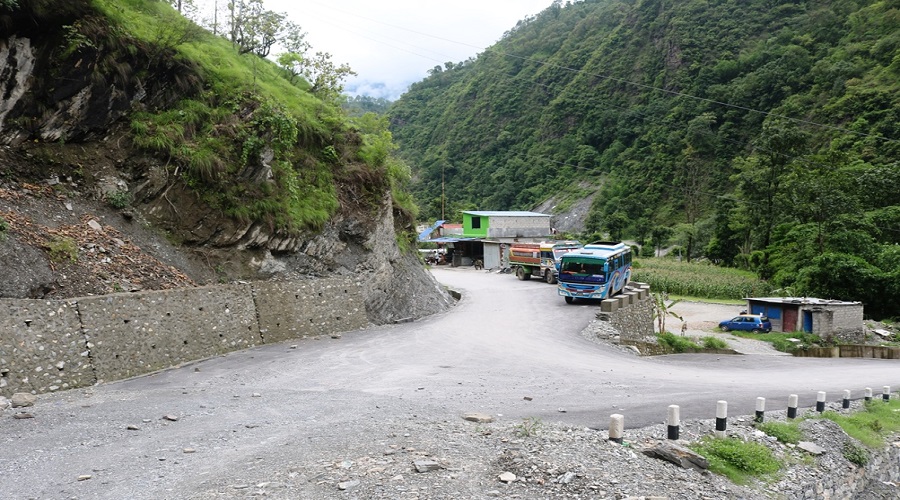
(811, 315)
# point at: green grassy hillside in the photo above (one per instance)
(759, 134)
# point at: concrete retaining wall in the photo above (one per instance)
(50, 345)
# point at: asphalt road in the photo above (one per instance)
(510, 349)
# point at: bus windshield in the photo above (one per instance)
(584, 267)
(559, 252)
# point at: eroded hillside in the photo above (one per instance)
(128, 165)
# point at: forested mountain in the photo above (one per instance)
(759, 133)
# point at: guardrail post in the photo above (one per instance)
(820, 402)
(868, 394)
(721, 418)
(616, 427)
(792, 406)
(886, 393)
(846, 402)
(674, 422)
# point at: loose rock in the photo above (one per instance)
(480, 418)
(23, 399)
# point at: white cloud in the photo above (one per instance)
(393, 43)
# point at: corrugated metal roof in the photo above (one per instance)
(424, 234)
(489, 213)
(800, 300)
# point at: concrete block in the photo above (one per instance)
(609, 305)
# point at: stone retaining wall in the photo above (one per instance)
(850, 351)
(42, 348)
(50, 345)
(631, 313)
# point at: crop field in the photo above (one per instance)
(699, 280)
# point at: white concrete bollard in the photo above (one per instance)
(792, 406)
(721, 418)
(886, 393)
(846, 402)
(674, 422)
(616, 427)
(868, 394)
(760, 409)
(820, 402)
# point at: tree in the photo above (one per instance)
(760, 178)
(695, 172)
(327, 79)
(296, 47)
(659, 237)
(253, 28)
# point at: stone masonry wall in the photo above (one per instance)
(42, 348)
(133, 334)
(50, 345)
(631, 313)
(294, 309)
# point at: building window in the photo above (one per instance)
(476, 222)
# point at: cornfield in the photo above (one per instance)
(699, 280)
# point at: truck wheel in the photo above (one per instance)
(569, 300)
(522, 275)
(549, 277)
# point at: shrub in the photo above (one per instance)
(676, 343)
(737, 460)
(118, 199)
(714, 343)
(855, 453)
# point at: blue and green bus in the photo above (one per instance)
(597, 271)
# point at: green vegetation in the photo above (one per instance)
(676, 343)
(255, 141)
(713, 343)
(871, 426)
(781, 343)
(529, 427)
(622, 99)
(118, 199)
(699, 280)
(737, 460)
(855, 453)
(63, 249)
(786, 432)
(662, 309)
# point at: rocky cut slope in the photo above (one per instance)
(86, 208)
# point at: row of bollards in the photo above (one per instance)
(617, 421)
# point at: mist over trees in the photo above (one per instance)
(760, 134)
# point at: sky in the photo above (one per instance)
(393, 43)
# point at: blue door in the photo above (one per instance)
(807, 321)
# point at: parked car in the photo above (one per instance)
(747, 322)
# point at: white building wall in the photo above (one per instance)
(519, 227)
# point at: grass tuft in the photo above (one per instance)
(737, 460)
